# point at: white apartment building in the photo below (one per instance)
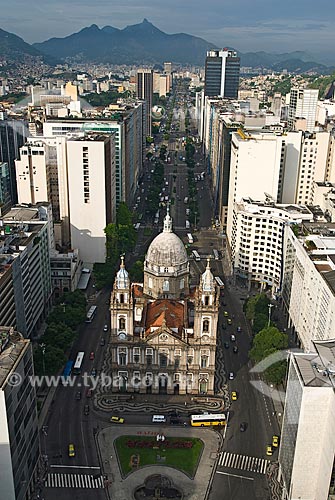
(254, 169)
(303, 104)
(307, 448)
(306, 160)
(309, 281)
(92, 194)
(41, 176)
(256, 240)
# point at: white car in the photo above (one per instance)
(105, 328)
(231, 376)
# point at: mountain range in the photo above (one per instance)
(142, 43)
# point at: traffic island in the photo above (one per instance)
(182, 453)
(191, 481)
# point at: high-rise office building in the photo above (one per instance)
(13, 134)
(20, 450)
(91, 181)
(302, 109)
(222, 73)
(144, 91)
(5, 188)
(306, 454)
(127, 123)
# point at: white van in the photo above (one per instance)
(158, 419)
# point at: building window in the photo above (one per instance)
(136, 354)
(162, 360)
(177, 362)
(122, 356)
(205, 325)
(206, 300)
(204, 361)
(122, 324)
(166, 285)
(121, 298)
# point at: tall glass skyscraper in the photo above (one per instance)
(222, 74)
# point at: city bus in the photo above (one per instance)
(90, 314)
(190, 238)
(216, 254)
(219, 281)
(78, 363)
(68, 369)
(208, 419)
(195, 254)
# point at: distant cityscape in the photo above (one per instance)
(167, 278)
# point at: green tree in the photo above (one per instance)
(276, 373)
(266, 342)
(136, 271)
(54, 359)
(260, 322)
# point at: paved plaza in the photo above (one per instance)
(192, 489)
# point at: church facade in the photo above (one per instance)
(163, 336)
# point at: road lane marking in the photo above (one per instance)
(243, 462)
(75, 467)
(235, 475)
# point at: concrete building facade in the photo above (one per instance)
(303, 104)
(19, 436)
(307, 448)
(92, 196)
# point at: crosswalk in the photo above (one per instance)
(243, 462)
(60, 480)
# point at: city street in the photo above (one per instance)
(242, 462)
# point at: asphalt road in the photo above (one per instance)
(68, 424)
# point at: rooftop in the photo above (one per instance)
(312, 370)
(165, 312)
(12, 347)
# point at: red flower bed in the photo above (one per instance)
(149, 443)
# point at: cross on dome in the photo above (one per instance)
(167, 228)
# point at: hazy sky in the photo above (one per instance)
(247, 25)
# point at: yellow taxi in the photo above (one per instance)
(117, 420)
(234, 396)
(269, 450)
(226, 313)
(71, 450)
(275, 441)
(229, 321)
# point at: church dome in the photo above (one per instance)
(167, 250)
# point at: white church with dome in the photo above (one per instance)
(163, 335)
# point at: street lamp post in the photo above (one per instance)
(270, 306)
(43, 346)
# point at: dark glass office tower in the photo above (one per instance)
(13, 134)
(222, 73)
(144, 91)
